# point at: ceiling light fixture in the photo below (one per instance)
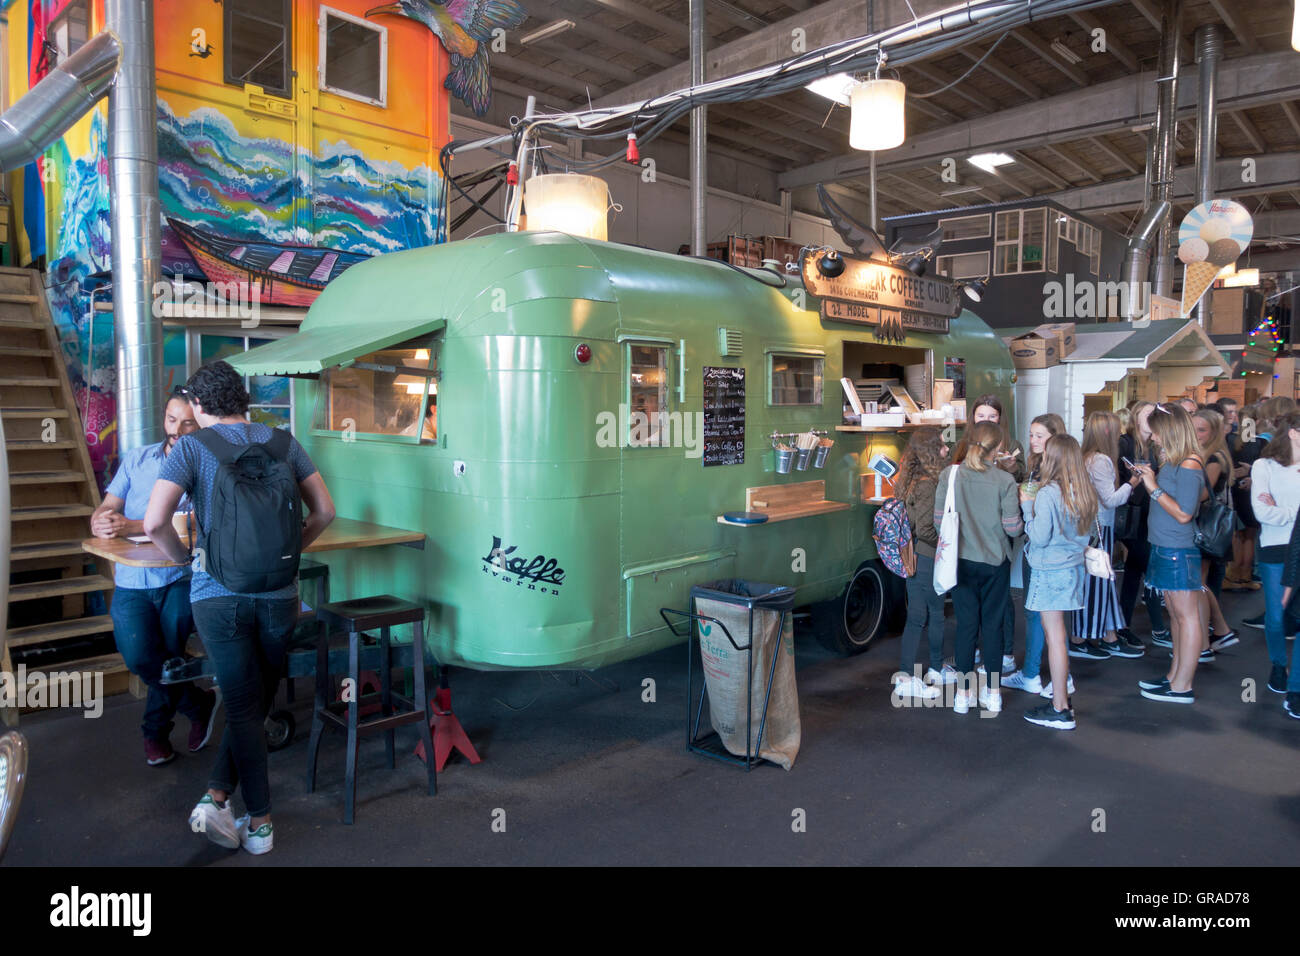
(1065, 53)
(989, 161)
(961, 190)
(837, 87)
(1295, 28)
(975, 290)
(550, 30)
(876, 122)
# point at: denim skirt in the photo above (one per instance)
(1056, 589)
(1174, 569)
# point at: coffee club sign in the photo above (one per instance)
(869, 292)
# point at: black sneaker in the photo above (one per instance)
(1087, 651)
(1256, 622)
(1292, 704)
(1153, 684)
(1131, 640)
(1162, 639)
(1049, 716)
(1118, 648)
(1207, 657)
(1168, 695)
(1277, 679)
(1227, 640)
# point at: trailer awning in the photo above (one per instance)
(312, 351)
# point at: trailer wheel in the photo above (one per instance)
(279, 727)
(863, 611)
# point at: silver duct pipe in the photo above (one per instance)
(136, 219)
(1137, 257)
(49, 108)
(1209, 51)
(699, 136)
(1170, 60)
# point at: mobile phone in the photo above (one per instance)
(1127, 464)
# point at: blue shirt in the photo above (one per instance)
(1184, 485)
(134, 483)
(194, 468)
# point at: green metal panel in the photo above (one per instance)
(631, 528)
(312, 351)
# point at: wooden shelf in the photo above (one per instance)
(910, 427)
(801, 499)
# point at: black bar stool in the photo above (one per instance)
(354, 617)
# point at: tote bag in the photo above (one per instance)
(945, 558)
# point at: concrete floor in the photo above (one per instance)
(586, 772)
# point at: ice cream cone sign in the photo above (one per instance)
(1211, 236)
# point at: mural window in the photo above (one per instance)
(68, 32)
(965, 227)
(647, 375)
(270, 397)
(795, 379)
(965, 265)
(391, 392)
(353, 57)
(258, 44)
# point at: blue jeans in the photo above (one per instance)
(1034, 636)
(1274, 633)
(924, 609)
(150, 625)
(246, 639)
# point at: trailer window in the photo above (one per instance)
(795, 379)
(647, 367)
(353, 57)
(258, 42)
(392, 392)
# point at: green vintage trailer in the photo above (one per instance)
(556, 531)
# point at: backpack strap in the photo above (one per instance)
(221, 449)
(278, 444)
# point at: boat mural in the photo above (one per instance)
(272, 273)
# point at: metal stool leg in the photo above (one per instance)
(386, 683)
(422, 695)
(322, 700)
(354, 674)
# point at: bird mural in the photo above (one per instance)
(464, 27)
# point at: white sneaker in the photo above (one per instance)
(946, 676)
(1018, 681)
(961, 702)
(216, 822)
(1008, 664)
(1047, 688)
(257, 841)
(991, 700)
(978, 655)
(911, 686)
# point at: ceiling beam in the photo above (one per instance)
(545, 76)
(1036, 44)
(1114, 46)
(1230, 14)
(1113, 153)
(1108, 107)
(1292, 116)
(931, 110)
(761, 143)
(737, 113)
(1071, 161)
(738, 16)
(549, 10)
(941, 79)
(656, 21)
(973, 52)
(596, 64)
(763, 162)
(1249, 130)
(944, 201)
(1036, 167)
(1151, 11)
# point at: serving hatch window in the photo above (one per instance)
(647, 369)
(795, 379)
(391, 392)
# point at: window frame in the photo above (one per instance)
(63, 18)
(228, 35)
(434, 343)
(797, 352)
(666, 346)
(323, 46)
(939, 269)
(987, 226)
(194, 359)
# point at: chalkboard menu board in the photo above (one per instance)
(724, 416)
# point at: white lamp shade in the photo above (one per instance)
(876, 120)
(1295, 28)
(569, 203)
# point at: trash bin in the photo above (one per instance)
(748, 669)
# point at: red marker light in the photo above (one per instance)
(583, 354)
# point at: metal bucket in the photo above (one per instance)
(823, 452)
(804, 455)
(784, 458)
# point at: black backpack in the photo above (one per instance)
(253, 539)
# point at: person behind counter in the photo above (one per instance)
(245, 634)
(1060, 510)
(151, 606)
(1175, 565)
(923, 459)
(989, 520)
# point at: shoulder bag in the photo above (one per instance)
(1097, 559)
(1214, 522)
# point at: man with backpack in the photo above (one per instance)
(248, 483)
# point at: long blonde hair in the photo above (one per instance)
(1216, 447)
(1101, 437)
(1173, 426)
(1135, 429)
(1063, 466)
(983, 439)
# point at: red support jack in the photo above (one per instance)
(448, 734)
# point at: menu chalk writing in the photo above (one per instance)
(724, 416)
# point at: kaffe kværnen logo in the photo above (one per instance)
(538, 573)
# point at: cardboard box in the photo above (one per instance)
(1065, 335)
(1033, 350)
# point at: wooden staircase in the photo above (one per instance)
(53, 493)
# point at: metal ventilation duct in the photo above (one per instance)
(1209, 51)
